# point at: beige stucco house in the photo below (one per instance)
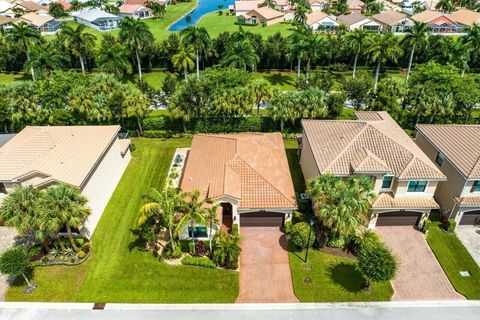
(247, 174)
(92, 158)
(374, 145)
(455, 149)
(263, 16)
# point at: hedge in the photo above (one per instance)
(199, 261)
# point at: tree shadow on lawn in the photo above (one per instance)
(346, 275)
(279, 79)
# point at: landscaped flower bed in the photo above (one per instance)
(61, 253)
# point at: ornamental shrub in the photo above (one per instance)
(451, 224)
(300, 233)
(81, 254)
(336, 242)
(376, 263)
(427, 224)
(288, 227)
(169, 253)
(199, 261)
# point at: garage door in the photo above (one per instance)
(261, 219)
(470, 218)
(398, 218)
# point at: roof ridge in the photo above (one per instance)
(475, 166)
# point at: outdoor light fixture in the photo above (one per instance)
(312, 222)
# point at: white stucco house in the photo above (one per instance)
(92, 158)
(97, 19)
(319, 21)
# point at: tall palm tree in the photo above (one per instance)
(43, 59)
(136, 35)
(356, 41)
(416, 37)
(240, 54)
(471, 40)
(158, 9)
(24, 36)
(64, 205)
(384, 48)
(284, 108)
(183, 60)
(211, 217)
(297, 46)
(77, 39)
(300, 16)
(137, 105)
(262, 91)
(198, 38)
(113, 58)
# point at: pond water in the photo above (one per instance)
(203, 7)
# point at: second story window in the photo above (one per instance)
(417, 186)
(440, 158)
(475, 186)
(387, 182)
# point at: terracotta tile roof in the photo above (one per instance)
(132, 8)
(250, 167)
(459, 143)
(315, 16)
(465, 17)
(266, 12)
(468, 201)
(37, 19)
(426, 16)
(390, 18)
(247, 5)
(386, 201)
(369, 143)
(352, 18)
(5, 20)
(66, 154)
(64, 4)
(355, 4)
(30, 6)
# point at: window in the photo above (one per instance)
(440, 158)
(475, 186)
(387, 182)
(417, 186)
(200, 232)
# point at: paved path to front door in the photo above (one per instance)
(420, 276)
(470, 238)
(264, 267)
(7, 240)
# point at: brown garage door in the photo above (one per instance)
(470, 218)
(398, 218)
(261, 219)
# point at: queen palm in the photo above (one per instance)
(284, 108)
(78, 40)
(297, 47)
(357, 41)
(24, 36)
(384, 48)
(137, 36)
(183, 60)
(416, 37)
(198, 38)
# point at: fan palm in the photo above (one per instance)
(183, 60)
(137, 105)
(384, 48)
(356, 41)
(137, 36)
(24, 36)
(78, 40)
(416, 37)
(262, 91)
(198, 38)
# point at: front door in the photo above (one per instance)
(227, 215)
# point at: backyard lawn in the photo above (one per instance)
(453, 258)
(117, 271)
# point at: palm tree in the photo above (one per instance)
(471, 40)
(164, 206)
(460, 56)
(297, 45)
(198, 38)
(193, 213)
(357, 41)
(300, 16)
(113, 58)
(136, 35)
(445, 5)
(227, 249)
(64, 205)
(240, 54)
(416, 37)
(384, 48)
(284, 108)
(43, 59)
(158, 9)
(24, 36)
(211, 217)
(262, 91)
(137, 105)
(183, 60)
(78, 40)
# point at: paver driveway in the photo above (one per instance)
(420, 276)
(470, 238)
(264, 268)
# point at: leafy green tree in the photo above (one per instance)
(77, 39)
(300, 235)
(388, 95)
(446, 6)
(44, 59)
(56, 10)
(227, 250)
(335, 103)
(113, 58)
(24, 36)
(358, 91)
(357, 41)
(158, 9)
(376, 263)
(15, 262)
(137, 36)
(416, 37)
(198, 38)
(183, 60)
(284, 108)
(471, 41)
(384, 48)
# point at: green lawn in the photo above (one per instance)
(6, 78)
(333, 279)
(115, 273)
(454, 258)
(216, 24)
(283, 81)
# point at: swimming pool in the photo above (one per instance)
(203, 7)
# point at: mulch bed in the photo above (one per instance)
(337, 252)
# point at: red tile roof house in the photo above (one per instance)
(374, 145)
(92, 158)
(247, 174)
(456, 151)
(438, 22)
(136, 11)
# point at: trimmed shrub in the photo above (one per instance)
(199, 261)
(427, 224)
(288, 227)
(336, 242)
(79, 242)
(81, 254)
(451, 224)
(376, 263)
(86, 247)
(169, 253)
(235, 229)
(300, 233)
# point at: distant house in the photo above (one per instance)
(136, 11)
(30, 6)
(394, 21)
(243, 7)
(465, 17)
(355, 5)
(318, 5)
(282, 5)
(6, 22)
(97, 19)
(145, 2)
(263, 16)
(43, 22)
(65, 5)
(357, 20)
(318, 20)
(438, 22)
(5, 9)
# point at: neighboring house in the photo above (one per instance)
(91, 158)
(6, 22)
(43, 22)
(318, 5)
(438, 22)
(282, 5)
(65, 5)
(263, 16)
(465, 17)
(247, 174)
(357, 20)
(431, 4)
(97, 19)
(243, 7)
(136, 11)
(30, 6)
(5, 9)
(318, 21)
(145, 2)
(374, 145)
(355, 5)
(394, 21)
(456, 151)
(5, 137)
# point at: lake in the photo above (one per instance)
(203, 7)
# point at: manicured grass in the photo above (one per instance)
(333, 279)
(119, 272)
(453, 258)
(6, 78)
(216, 24)
(283, 81)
